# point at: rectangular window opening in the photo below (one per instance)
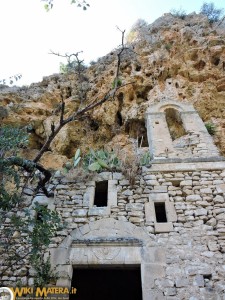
(160, 212)
(101, 193)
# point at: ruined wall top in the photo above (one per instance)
(175, 130)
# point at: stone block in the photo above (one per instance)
(170, 291)
(170, 211)
(160, 197)
(78, 220)
(160, 188)
(164, 283)
(118, 176)
(163, 227)
(41, 199)
(88, 199)
(62, 187)
(219, 182)
(221, 188)
(127, 193)
(182, 282)
(218, 199)
(154, 255)
(135, 206)
(79, 213)
(63, 282)
(150, 212)
(59, 255)
(211, 222)
(84, 229)
(150, 272)
(124, 182)
(220, 217)
(149, 294)
(210, 294)
(186, 183)
(150, 177)
(112, 192)
(152, 182)
(65, 271)
(103, 176)
(136, 214)
(136, 220)
(206, 191)
(192, 198)
(200, 212)
(99, 211)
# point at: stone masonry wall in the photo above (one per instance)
(194, 245)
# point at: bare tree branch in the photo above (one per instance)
(30, 166)
(81, 112)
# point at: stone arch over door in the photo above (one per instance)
(195, 141)
(111, 242)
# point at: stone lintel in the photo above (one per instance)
(126, 241)
(158, 196)
(99, 211)
(163, 227)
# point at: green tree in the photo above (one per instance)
(209, 10)
(20, 226)
(179, 13)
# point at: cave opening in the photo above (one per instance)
(119, 118)
(137, 130)
(108, 282)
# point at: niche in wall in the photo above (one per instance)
(174, 122)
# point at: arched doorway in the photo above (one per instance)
(109, 248)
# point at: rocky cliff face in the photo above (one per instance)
(182, 60)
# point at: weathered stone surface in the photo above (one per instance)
(182, 282)
(199, 281)
(186, 182)
(200, 212)
(193, 198)
(206, 191)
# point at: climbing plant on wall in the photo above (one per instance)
(20, 224)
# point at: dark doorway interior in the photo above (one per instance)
(108, 283)
(160, 212)
(101, 193)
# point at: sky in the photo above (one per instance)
(29, 33)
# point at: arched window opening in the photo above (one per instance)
(175, 124)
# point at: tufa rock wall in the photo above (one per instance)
(183, 60)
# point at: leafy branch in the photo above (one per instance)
(49, 4)
(11, 79)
